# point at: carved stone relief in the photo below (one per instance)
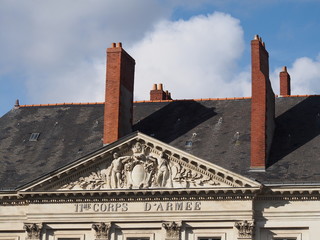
(141, 168)
(245, 229)
(33, 230)
(101, 230)
(172, 230)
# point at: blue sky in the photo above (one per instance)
(54, 51)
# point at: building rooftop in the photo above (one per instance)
(215, 130)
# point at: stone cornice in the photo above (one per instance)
(217, 194)
(292, 193)
(225, 194)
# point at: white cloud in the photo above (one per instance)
(54, 51)
(83, 83)
(59, 49)
(194, 58)
(59, 46)
(304, 74)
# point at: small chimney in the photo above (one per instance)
(157, 93)
(17, 104)
(119, 94)
(262, 106)
(154, 87)
(285, 88)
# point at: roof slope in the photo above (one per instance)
(214, 130)
(66, 134)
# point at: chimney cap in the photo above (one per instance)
(284, 69)
(154, 87)
(17, 104)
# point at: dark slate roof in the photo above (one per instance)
(66, 134)
(215, 130)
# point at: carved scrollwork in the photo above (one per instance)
(141, 168)
(192, 178)
(245, 229)
(33, 230)
(172, 230)
(101, 230)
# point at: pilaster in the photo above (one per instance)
(33, 231)
(101, 230)
(245, 229)
(173, 230)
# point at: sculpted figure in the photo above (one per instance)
(117, 170)
(138, 153)
(164, 171)
(150, 167)
(138, 157)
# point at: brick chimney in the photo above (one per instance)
(157, 93)
(119, 94)
(262, 106)
(285, 88)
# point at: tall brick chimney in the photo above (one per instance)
(157, 93)
(119, 94)
(262, 106)
(285, 88)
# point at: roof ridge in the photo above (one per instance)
(194, 99)
(142, 101)
(305, 95)
(59, 104)
(175, 100)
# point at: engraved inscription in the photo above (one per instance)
(177, 206)
(101, 207)
(142, 207)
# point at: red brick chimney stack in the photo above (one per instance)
(157, 93)
(262, 106)
(285, 88)
(119, 94)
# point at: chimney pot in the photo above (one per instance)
(284, 69)
(113, 45)
(154, 87)
(256, 37)
(119, 44)
(157, 93)
(17, 104)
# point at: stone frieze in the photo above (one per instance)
(141, 168)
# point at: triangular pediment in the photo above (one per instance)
(139, 162)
